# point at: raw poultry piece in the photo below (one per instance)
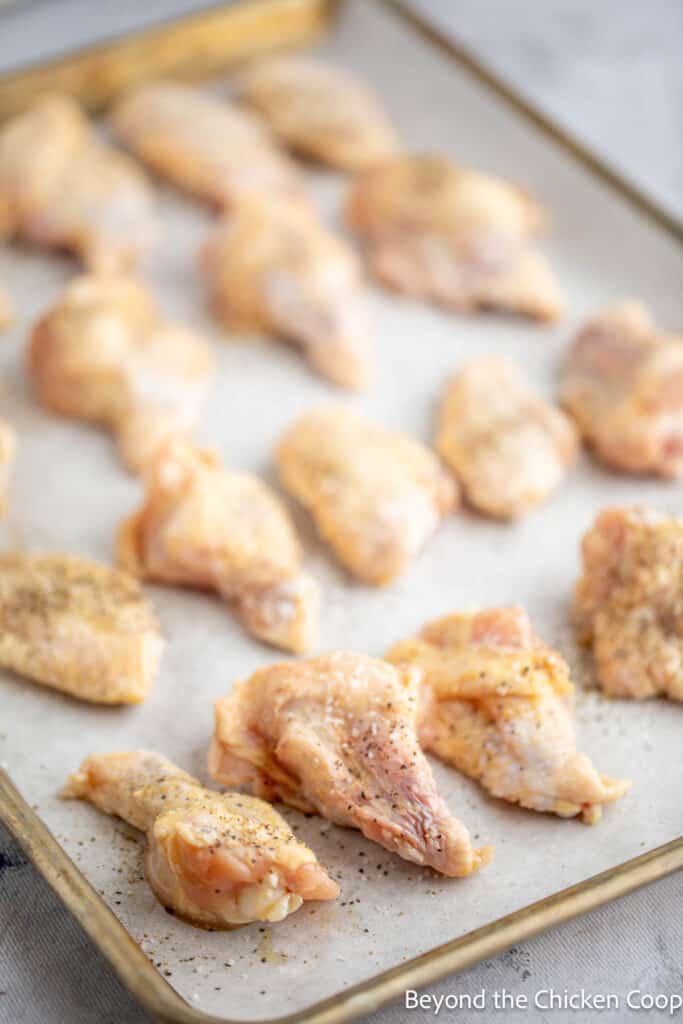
(336, 735)
(499, 708)
(77, 626)
(103, 353)
(63, 187)
(507, 446)
(464, 240)
(6, 313)
(272, 266)
(216, 860)
(375, 496)
(628, 604)
(201, 143)
(8, 445)
(320, 110)
(204, 525)
(623, 384)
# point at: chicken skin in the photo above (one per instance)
(336, 735)
(204, 525)
(8, 445)
(442, 233)
(499, 708)
(215, 860)
(63, 187)
(272, 266)
(77, 626)
(507, 446)
(623, 384)
(201, 144)
(102, 353)
(375, 496)
(320, 111)
(628, 604)
(6, 312)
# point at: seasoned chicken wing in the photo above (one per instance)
(63, 187)
(628, 604)
(77, 626)
(320, 111)
(443, 233)
(623, 384)
(202, 144)
(204, 525)
(216, 860)
(273, 266)
(507, 446)
(375, 496)
(500, 709)
(336, 735)
(103, 353)
(8, 444)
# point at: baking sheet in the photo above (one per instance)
(69, 493)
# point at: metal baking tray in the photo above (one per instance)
(395, 926)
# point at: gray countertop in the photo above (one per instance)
(613, 75)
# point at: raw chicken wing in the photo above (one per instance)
(204, 525)
(507, 446)
(443, 233)
(6, 312)
(336, 735)
(375, 496)
(500, 709)
(216, 860)
(77, 626)
(8, 445)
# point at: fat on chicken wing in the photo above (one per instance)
(375, 496)
(628, 603)
(202, 144)
(507, 446)
(102, 353)
(320, 110)
(77, 626)
(63, 187)
(8, 445)
(458, 238)
(216, 860)
(336, 735)
(273, 266)
(204, 525)
(623, 384)
(500, 710)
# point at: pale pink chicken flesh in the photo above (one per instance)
(216, 860)
(337, 735)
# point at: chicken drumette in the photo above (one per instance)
(337, 735)
(63, 187)
(623, 384)
(204, 525)
(499, 708)
(375, 496)
(8, 444)
(507, 446)
(272, 266)
(443, 233)
(216, 860)
(103, 353)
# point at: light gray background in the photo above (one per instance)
(613, 73)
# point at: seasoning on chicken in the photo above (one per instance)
(320, 110)
(273, 266)
(77, 626)
(336, 735)
(63, 187)
(623, 384)
(102, 353)
(216, 860)
(499, 708)
(507, 446)
(8, 445)
(375, 496)
(202, 144)
(628, 604)
(452, 236)
(204, 525)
